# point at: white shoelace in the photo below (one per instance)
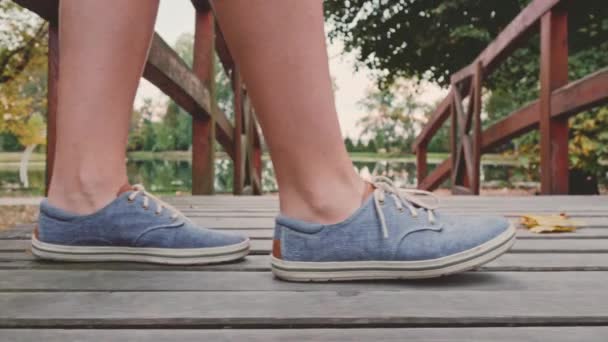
(402, 198)
(139, 189)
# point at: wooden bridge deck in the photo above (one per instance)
(548, 288)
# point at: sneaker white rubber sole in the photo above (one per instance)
(361, 270)
(167, 256)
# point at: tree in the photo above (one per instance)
(348, 142)
(174, 131)
(22, 39)
(393, 116)
(440, 142)
(22, 75)
(371, 146)
(432, 39)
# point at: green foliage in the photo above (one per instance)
(391, 120)
(174, 130)
(360, 146)
(349, 145)
(440, 143)
(9, 142)
(418, 38)
(588, 145)
(21, 39)
(432, 39)
(22, 76)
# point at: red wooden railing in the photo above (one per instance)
(193, 90)
(558, 101)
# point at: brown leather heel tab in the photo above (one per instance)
(126, 187)
(276, 248)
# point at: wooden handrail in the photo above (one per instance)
(166, 70)
(558, 101)
(490, 57)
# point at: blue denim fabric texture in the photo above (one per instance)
(360, 237)
(125, 223)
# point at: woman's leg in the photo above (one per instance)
(103, 47)
(280, 49)
(279, 46)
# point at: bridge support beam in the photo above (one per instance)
(553, 75)
(203, 126)
(421, 163)
(239, 125)
(51, 98)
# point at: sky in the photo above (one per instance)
(177, 16)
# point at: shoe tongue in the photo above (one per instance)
(126, 187)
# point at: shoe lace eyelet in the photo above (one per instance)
(145, 207)
(401, 210)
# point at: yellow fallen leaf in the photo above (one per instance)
(549, 223)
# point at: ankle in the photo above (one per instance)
(84, 195)
(327, 203)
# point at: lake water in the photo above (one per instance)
(171, 176)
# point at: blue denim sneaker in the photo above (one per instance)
(394, 235)
(137, 227)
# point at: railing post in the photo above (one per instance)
(238, 174)
(51, 116)
(203, 127)
(453, 139)
(421, 163)
(257, 155)
(553, 74)
(476, 99)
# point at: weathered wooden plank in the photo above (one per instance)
(267, 233)
(521, 262)
(244, 213)
(257, 246)
(201, 281)
(301, 309)
(588, 232)
(263, 245)
(533, 334)
(254, 223)
(221, 200)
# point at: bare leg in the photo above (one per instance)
(103, 48)
(280, 48)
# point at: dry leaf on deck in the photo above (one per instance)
(549, 223)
